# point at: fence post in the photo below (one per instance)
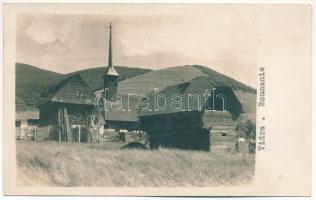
(35, 133)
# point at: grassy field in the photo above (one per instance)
(72, 164)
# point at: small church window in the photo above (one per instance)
(224, 134)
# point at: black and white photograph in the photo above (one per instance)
(103, 100)
(150, 96)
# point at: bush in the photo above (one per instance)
(248, 129)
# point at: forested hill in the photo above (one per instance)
(32, 82)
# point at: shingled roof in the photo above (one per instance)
(128, 113)
(181, 91)
(188, 92)
(72, 89)
(196, 86)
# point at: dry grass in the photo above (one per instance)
(72, 164)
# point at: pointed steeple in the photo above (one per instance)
(110, 71)
(111, 76)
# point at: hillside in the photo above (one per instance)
(221, 79)
(163, 78)
(160, 79)
(94, 76)
(33, 82)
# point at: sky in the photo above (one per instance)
(222, 38)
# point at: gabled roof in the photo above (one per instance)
(127, 116)
(128, 112)
(182, 91)
(187, 93)
(72, 89)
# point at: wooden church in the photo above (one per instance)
(69, 108)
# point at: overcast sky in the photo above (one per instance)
(223, 39)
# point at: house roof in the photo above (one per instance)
(128, 116)
(186, 94)
(181, 91)
(122, 109)
(72, 89)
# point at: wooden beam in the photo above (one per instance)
(59, 124)
(86, 126)
(66, 125)
(35, 133)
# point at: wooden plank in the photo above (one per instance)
(86, 126)
(66, 125)
(59, 124)
(35, 134)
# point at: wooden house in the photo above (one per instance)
(206, 123)
(69, 110)
(26, 119)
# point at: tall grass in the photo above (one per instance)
(72, 164)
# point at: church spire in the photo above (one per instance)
(111, 70)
